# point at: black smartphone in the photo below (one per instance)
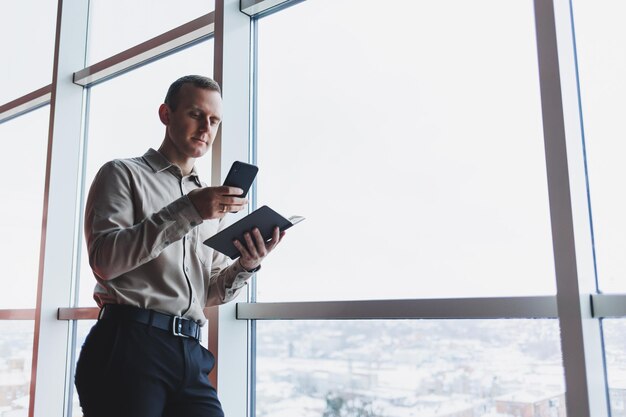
(241, 175)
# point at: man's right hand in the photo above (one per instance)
(215, 202)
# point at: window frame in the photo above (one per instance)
(577, 305)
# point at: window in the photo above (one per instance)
(16, 354)
(615, 354)
(600, 38)
(411, 137)
(22, 175)
(420, 167)
(114, 27)
(28, 33)
(404, 367)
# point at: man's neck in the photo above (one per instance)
(184, 163)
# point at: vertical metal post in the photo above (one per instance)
(581, 340)
(50, 380)
(232, 72)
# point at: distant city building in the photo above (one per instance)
(531, 404)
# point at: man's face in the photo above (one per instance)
(192, 127)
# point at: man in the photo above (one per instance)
(145, 221)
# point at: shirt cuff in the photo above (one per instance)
(246, 270)
(238, 283)
(241, 277)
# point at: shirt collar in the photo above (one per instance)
(159, 163)
(156, 161)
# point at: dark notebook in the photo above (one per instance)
(264, 218)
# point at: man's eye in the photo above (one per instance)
(195, 115)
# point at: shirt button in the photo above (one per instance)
(187, 268)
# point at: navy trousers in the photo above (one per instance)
(129, 369)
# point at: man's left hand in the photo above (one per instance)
(255, 248)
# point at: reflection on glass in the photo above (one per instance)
(27, 30)
(115, 26)
(16, 354)
(600, 42)
(615, 351)
(124, 122)
(411, 141)
(452, 368)
(22, 179)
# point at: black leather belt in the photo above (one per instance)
(176, 325)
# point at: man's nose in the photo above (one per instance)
(204, 124)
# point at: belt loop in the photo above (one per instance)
(150, 320)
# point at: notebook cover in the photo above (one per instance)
(264, 218)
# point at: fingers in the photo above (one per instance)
(242, 250)
(277, 235)
(256, 244)
(225, 190)
(230, 204)
(254, 248)
(214, 203)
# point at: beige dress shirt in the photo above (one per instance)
(144, 239)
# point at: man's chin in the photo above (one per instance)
(199, 149)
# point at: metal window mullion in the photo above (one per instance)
(27, 103)
(450, 308)
(51, 381)
(260, 8)
(253, 141)
(183, 36)
(609, 305)
(232, 72)
(18, 314)
(604, 305)
(581, 341)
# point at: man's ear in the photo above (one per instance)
(164, 114)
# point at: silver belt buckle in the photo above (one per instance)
(177, 326)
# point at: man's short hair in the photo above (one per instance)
(200, 81)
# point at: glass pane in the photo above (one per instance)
(411, 140)
(20, 221)
(132, 101)
(600, 42)
(431, 368)
(615, 350)
(115, 26)
(16, 355)
(27, 30)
